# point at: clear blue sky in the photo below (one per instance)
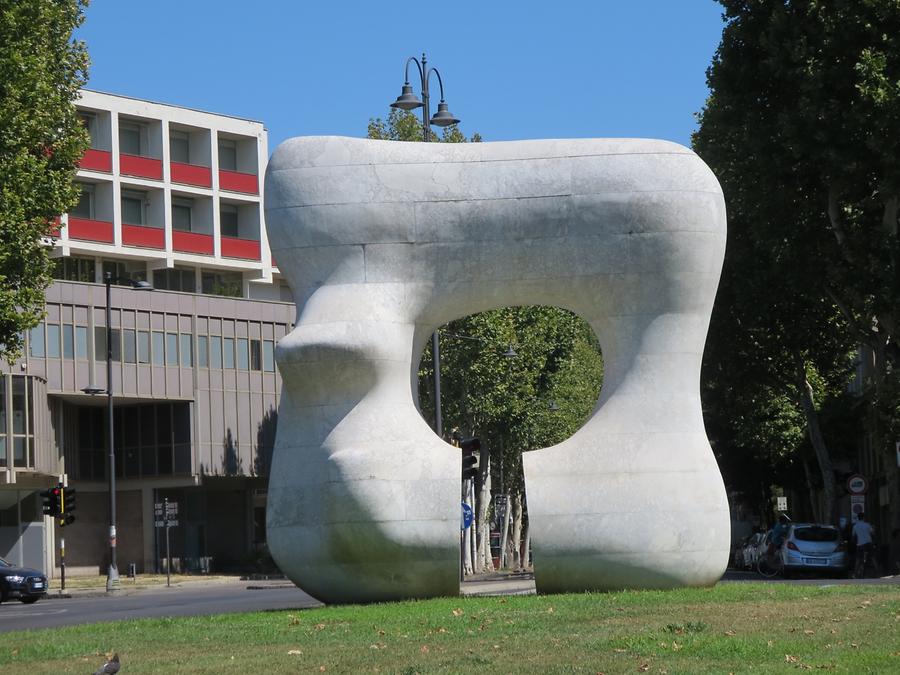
(511, 70)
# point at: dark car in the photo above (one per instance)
(20, 583)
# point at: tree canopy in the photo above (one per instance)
(802, 129)
(41, 142)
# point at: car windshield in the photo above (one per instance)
(816, 533)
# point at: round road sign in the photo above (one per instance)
(857, 484)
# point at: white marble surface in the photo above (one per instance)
(382, 242)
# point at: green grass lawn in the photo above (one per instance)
(729, 628)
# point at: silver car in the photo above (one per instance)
(812, 546)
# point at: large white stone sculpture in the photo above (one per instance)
(382, 242)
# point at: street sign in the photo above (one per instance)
(165, 523)
(782, 503)
(857, 484)
(467, 516)
(165, 514)
(857, 506)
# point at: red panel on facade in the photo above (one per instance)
(232, 247)
(192, 242)
(144, 167)
(96, 160)
(191, 174)
(146, 237)
(90, 230)
(235, 181)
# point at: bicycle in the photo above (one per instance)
(866, 558)
(770, 564)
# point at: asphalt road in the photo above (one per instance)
(213, 598)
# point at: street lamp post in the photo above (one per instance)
(112, 575)
(442, 118)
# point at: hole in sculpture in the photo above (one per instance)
(518, 379)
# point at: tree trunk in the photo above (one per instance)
(483, 561)
(818, 441)
(504, 535)
(813, 500)
(526, 547)
(515, 539)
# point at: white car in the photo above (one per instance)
(813, 546)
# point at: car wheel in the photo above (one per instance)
(31, 599)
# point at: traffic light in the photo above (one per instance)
(469, 460)
(51, 501)
(67, 513)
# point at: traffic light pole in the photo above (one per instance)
(62, 564)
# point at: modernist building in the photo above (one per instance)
(171, 196)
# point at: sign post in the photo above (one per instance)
(165, 515)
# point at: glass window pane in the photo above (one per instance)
(268, 356)
(143, 346)
(171, 349)
(129, 345)
(132, 211)
(179, 147)
(19, 450)
(228, 220)
(68, 335)
(255, 355)
(187, 351)
(159, 348)
(243, 361)
(53, 340)
(129, 138)
(18, 405)
(36, 341)
(228, 352)
(202, 351)
(2, 405)
(83, 208)
(181, 218)
(227, 155)
(99, 343)
(116, 337)
(81, 349)
(215, 351)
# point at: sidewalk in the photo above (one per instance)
(496, 583)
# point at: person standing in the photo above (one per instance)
(862, 537)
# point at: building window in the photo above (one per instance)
(81, 349)
(68, 341)
(89, 122)
(202, 351)
(268, 356)
(176, 279)
(85, 206)
(222, 283)
(181, 214)
(171, 349)
(130, 138)
(21, 412)
(159, 348)
(75, 269)
(215, 351)
(123, 271)
(129, 346)
(36, 341)
(243, 362)
(100, 344)
(227, 154)
(187, 351)
(228, 220)
(228, 352)
(143, 346)
(180, 146)
(255, 355)
(134, 207)
(53, 340)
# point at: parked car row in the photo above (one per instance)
(807, 547)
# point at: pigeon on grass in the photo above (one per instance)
(110, 667)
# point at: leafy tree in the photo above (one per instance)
(505, 401)
(803, 130)
(41, 141)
